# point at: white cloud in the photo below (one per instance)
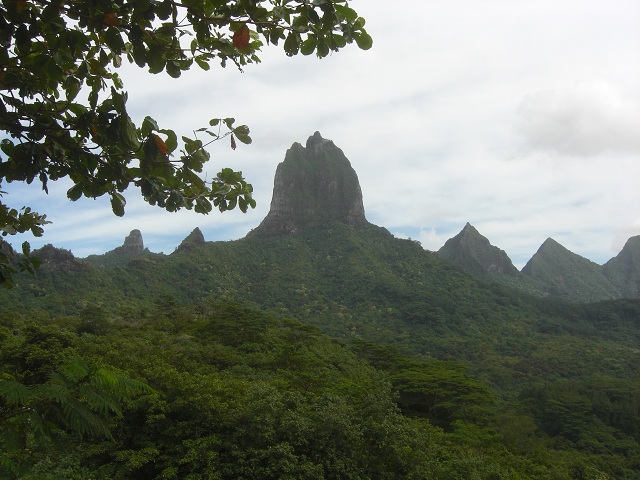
(592, 118)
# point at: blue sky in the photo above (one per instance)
(522, 118)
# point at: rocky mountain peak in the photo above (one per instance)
(314, 184)
(59, 259)
(623, 270)
(474, 253)
(132, 246)
(564, 271)
(194, 239)
(551, 254)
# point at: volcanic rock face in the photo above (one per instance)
(474, 253)
(313, 185)
(59, 259)
(132, 246)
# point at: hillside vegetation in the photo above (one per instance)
(333, 353)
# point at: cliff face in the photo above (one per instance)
(59, 259)
(132, 246)
(314, 184)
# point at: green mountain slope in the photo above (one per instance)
(563, 273)
(429, 371)
(351, 283)
(475, 254)
(624, 269)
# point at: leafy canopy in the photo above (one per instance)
(64, 108)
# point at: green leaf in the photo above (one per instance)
(364, 41)
(313, 17)
(117, 204)
(173, 69)
(148, 125)
(322, 50)
(202, 63)
(139, 53)
(71, 87)
(128, 132)
(75, 192)
(155, 59)
(292, 43)
(172, 140)
(346, 12)
(359, 23)
(242, 134)
(203, 205)
(309, 45)
(7, 146)
(114, 40)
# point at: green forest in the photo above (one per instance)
(336, 353)
(318, 347)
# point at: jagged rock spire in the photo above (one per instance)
(313, 185)
(132, 246)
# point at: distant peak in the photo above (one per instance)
(469, 229)
(194, 239)
(59, 259)
(550, 243)
(132, 246)
(314, 184)
(474, 253)
(633, 241)
(315, 142)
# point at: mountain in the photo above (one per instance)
(230, 326)
(475, 254)
(314, 184)
(132, 247)
(624, 269)
(59, 259)
(553, 271)
(566, 274)
(315, 187)
(194, 240)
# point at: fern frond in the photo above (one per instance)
(98, 402)
(11, 440)
(75, 371)
(58, 392)
(8, 468)
(83, 421)
(14, 393)
(105, 378)
(41, 428)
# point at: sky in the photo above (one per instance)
(521, 118)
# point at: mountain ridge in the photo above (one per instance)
(315, 184)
